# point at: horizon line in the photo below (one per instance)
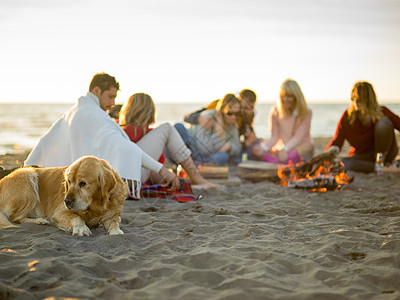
(391, 101)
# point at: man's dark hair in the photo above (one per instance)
(104, 82)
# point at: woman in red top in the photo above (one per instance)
(135, 118)
(369, 129)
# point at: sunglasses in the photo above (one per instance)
(229, 113)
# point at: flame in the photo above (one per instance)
(288, 173)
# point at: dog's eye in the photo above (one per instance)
(82, 184)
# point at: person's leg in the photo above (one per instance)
(183, 132)
(191, 170)
(270, 158)
(153, 143)
(385, 139)
(167, 136)
(203, 159)
(220, 158)
(198, 158)
(235, 160)
(293, 157)
(306, 150)
(181, 154)
(364, 163)
(358, 165)
(174, 143)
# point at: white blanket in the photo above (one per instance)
(86, 129)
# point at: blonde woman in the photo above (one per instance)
(135, 118)
(290, 123)
(218, 142)
(369, 129)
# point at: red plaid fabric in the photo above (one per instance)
(183, 194)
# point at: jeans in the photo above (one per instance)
(218, 158)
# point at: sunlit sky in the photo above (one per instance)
(198, 50)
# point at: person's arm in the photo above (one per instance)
(169, 178)
(301, 132)
(392, 117)
(232, 144)
(274, 127)
(193, 118)
(235, 144)
(339, 137)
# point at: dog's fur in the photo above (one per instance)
(88, 193)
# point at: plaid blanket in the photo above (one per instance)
(183, 194)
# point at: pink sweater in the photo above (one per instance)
(288, 131)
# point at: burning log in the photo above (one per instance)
(316, 183)
(323, 172)
(310, 167)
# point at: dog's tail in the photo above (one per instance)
(4, 222)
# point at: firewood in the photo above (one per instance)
(314, 183)
(256, 171)
(308, 168)
(211, 171)
(259, 175)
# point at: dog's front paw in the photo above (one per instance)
(115, 231)
(42, 221)
(81, 230)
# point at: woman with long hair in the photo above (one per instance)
(135, 118)
(290, 123)
(219, 142)
(369, 129)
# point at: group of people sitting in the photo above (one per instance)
(218, 134)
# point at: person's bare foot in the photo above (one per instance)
(204, 186)
(199, 182)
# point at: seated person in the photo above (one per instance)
(369, 129)
(289, 122)
(135, 118)
(245, 120)
(217, 141)
(87, 129)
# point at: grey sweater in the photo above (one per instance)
(209, 142)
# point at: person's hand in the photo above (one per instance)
(225, 148)
(207, 122)
(333, 149)
(169, 178)
(282, 156)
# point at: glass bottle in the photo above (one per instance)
(379, 163)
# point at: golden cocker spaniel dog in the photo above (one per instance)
(87, 194)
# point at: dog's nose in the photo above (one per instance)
(69, 201)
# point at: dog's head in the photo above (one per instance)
(89, 182)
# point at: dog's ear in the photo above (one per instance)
(65, 184)
(107, 181)
(65, 179)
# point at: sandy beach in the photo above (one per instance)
(250, 241)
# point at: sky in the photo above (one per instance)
(198, 50)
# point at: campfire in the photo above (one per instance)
(322, 173)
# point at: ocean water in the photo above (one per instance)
(21, 125)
